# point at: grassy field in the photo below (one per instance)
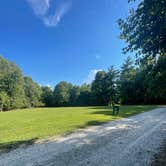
(25, 126)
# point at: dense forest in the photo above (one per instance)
(144, 84)
(140, 82)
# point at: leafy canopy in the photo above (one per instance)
(144, 30)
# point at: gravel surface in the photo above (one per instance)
(127, 142)
(159, 159)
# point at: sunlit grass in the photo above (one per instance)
(25, 126)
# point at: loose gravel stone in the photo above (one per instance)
(130, 141)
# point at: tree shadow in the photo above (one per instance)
(107, 112)
(8, 146)
(89, 124)
(94, 123)
(122, 113)
(98, 107)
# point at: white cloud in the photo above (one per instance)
(91, 76)
(60, 11)
(98, 57)
(51, 18)
(40, 7)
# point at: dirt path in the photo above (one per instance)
(128, 142)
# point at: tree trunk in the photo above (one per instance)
(1, 107)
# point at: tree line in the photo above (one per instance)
(140, 82)
(17, 91)
(144, 84)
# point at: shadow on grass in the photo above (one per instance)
(122, 113)
(132, 112)
(99, 107)
(90, 123)
(126, 111)
(94, 123)
(107, 112)
(8, 146)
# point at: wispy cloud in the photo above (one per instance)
(91, 76)
(40, 7)
(50, 11)
(98, 57)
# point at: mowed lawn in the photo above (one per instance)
(25, 126)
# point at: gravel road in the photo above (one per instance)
(127, 142)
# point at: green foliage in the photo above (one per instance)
(127, 70)
(62, 93)
(33, 92)
(98, 88)
(126, 83)
(145, 84)
(74, 96)
(155, 79)
(144, 29)
(4, 101)
(144, 32)
(112, 93)
(11, 82)
(104, 87)
(20, 92)
(47, 96)
(84, 99)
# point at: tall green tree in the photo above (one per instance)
(4, 101)
(111, 86)
(84, 98)
(47, 96)
(156, 81)
(11, 82)
(127, 83)
(104, 87)
(33, 92)
(144, 29)
(74, 95)
(98, 88)
(62, 94)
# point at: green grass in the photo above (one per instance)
(25, 126)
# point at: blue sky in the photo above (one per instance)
(55, 40)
